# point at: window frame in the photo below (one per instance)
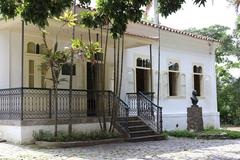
(178, 78)
(201, 78)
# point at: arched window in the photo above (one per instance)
(199, 69)
(198, 79)
(195, 69)
(173, 66)
(31, 48)
(42, 49)
(174, 78)
(148, 63)
(37, 49)
(144, 63)
(139, 62)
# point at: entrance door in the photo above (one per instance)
(143, 80)
(91, 101)
(93, 71)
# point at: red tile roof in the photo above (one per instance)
(165, 28)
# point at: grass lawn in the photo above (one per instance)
(206, 134)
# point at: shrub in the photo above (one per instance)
(182, 133)
(43, 136)
(208, 133)
(75, 136)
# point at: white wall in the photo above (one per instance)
(16, 61)
(187, 51)
(4, 60)
(24, 134)
(10, 61)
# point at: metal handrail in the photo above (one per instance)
(149, 100)
(122, 113)
(147, 111)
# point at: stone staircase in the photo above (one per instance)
(139, 131)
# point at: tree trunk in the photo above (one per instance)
(56, 108)
(103, 86)
(121, 71)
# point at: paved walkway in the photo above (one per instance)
(172, 149)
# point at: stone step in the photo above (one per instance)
(2, 140)
(142, 133)
(135, 122)
(146, 138)
(133, 118)
(138, 128)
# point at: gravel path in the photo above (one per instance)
(172, 149)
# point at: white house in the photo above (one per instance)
(187, 62)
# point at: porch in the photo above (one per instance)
(31, 109)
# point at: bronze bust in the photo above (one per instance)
(194, 98)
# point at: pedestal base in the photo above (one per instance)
(194, 119)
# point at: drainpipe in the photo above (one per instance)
(156, 18)
(22, 67)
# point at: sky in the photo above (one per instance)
(218, 12)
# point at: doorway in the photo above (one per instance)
(93, 72)
(143, 80)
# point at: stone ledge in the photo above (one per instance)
(45, 144)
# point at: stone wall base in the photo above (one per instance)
(194, 119)
(24, 134)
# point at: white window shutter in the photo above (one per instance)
(165, 86)
(131, 79)
(182, 86)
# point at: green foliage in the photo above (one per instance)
(226, 133)
(69, 18)
(35, 11)
(88, 50)
(165, 135)
(114, 13)
(227, 86)
(43, 136)
(75, 136)
(167, 7)
(209, 132)
(182, 133)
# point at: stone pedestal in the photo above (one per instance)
(194, 118)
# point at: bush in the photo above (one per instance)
(208, 133)
(43, 136)
(165, 135)
(75, 136)
(182, 133)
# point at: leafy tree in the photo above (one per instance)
(38, 11)
(227, 85)
(167, 7)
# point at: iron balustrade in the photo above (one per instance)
(38, 103)
(10, 104)
(149, 112)
(122, 113)
(132, 102)
(142, 105)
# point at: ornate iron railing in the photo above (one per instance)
(10, 104)
(38, 103)
(122, 112)
(132, 102)
(149, 112)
